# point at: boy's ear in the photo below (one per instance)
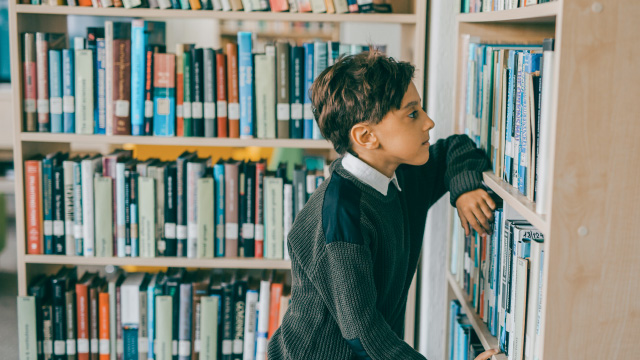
(362, 136)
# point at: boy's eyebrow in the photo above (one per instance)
(411, 104)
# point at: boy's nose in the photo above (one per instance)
(429, 124)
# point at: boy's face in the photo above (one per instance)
(403, 134)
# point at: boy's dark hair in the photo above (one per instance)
(357, 88)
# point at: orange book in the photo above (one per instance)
(330, 8)
(279, 5)
(179, 89)
(195, 4)
(33, 203)
(82, 315)
(221, 93)
(85, 3)
(233, 95)
(103, 319)
(274, 308)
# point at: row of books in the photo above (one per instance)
(473, 6)
(464, 343)
(115, 205)
(177, 315)
(502, 277)
(316, 6)
(119, 80)
(507, 110)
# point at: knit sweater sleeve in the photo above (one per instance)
(343, 276)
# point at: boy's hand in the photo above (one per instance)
(475, 208)
(487, 354)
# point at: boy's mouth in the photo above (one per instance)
(426, 142)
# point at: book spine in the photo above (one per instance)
(84, 91)
(279, 5)
(153, 290)
(164, 306)
(209, 83)
(138, 71)
(318, 6)
(296, 96)
(27, 326)
(70, 313)
(265, 95)
(147, 192)
(197, 92)
(365, 6)
(118, 324)
(219, 187)
(245, 71)
(273, 220)
(319, 64)
(184, 337)
(171, 245)
(205, 216)
(120, 210)
(33, 197)
(173, 289)
(164, 121)
(30, 83)
(517, 122)
(353, 6)
(195, 170)
(287, 216)
(88, 172)
(47, 204)
(150, 52)
(341, 6)
(239, 307)
(209, 327)
(55, 90)
(160, 215)
(233, 95)
(248, 225)
(179, 80)
(187, 93)
(221, 95)
(143, 335)
(82, 308)
(133, 214)
(242, 206)
(93, 322)
(231, 210)
(200, 290)
(104, 346)
(58, 211)
(42, 65)
(101, 124)
(263, 320)
(228, 318)
(181, 206)
(108, 88)
(283, 53)
(127, 213)
(78, 230)
(47, 330)
(59, 319)
(259, 209)
(121, 88)
(250, 324)
(308, 82)
(104, 216)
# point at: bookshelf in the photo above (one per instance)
(590, 283)
(411, 16)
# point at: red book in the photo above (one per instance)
(274, 308)
(30, 83)
(33, 197)
(233, 113)
(221, 85)
(279, 5)
(261, 168)
(83, 315)
(122, 87)
(42, 69)
(304, 5)
(104, 326)
(179, 89)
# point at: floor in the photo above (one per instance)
(8, 316)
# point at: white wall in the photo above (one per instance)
(440, 73)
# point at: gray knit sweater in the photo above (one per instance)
(354, 253)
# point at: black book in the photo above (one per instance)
(175, 277)
(249, 210)
(170, 211)
(47, 330)
(39, 289)
(129, 169)
(242, 208)
(299, 188)
(228, 318)
(181, 218)
(197, 92)
(210, 96)
(239, 305)
(58, 313)
(296, 89)
(215, 289)
(133, 206)
(58, 210)
(151, 50)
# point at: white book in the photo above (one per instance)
(108, 51)
(532, 296)
(88, 167)
(106, 3)
(250, 318)
(120, 211)
(341, 6)
(318, 6)
(520, 309)
(164, 4)
(209, 328)
(537, 342)
(130, 299)
(205, 221)
(226, 5)
(543, 201)
(70, 242)
(248, 5)
(263, 320)
(287, 216)
(195, 170)
(217, 5)
(265, 83)
(84, 91)
(27, 328)
(103, 190)
(273, 189)
(147, 216)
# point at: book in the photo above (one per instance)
(138, 71)
(239, 306)
(248, 229)
(287, 217)
(261, 168)
(187, 90)
(233, 92)
(30, 79)
(131, 311)
(263, 319)
(309, 68)
(27, 336)
(121, 209)
(59, 240)
(200, 289)
(104, 318)
(78, 229)
(179, 89)
(265, 83)
(55, 90)
(228, 318)
(121, 89)
(231, 172)
(274, 307)
(341, 6)
(245, 84)
(547, 74)
(42, 83)
(149, 84)
(283, 54)
(164, 324)
(185, 316)
(164, 110)
(205, 216)
(90, 167)
(365, 6)
(181, 201)
(209, 96)
(319, 64)
(353, 6)
(318, 6)
(103, 187)
(59, 284)
(221, 94)
(197, 91)
(209, 328)
(33, 201)
(147, 210)
(279, 5)
(83, 314)
(195, 170)
(84, 91)
(304, 5)
(100, 125)
(93, 309)
(219, 186)
(169, 245)
(273, 203)
(296, 95)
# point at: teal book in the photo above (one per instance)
(55, 90)
(218, 175)
(164, 97)
(245, 73)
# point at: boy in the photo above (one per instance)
(355, 245)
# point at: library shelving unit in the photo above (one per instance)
(591, 285)
(410, 15)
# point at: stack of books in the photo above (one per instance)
(114, 205)
(464, 343)
(473, 6)
(120, 80)
(502, 277)
(167, 315)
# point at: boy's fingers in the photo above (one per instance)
(483, 223)
(486, 210)
(489, 200)
(465, 223)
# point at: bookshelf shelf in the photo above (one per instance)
(216, 263)
(287, 35)
(173, 141)
(220, 15)
(488, 341)
(541, 13)
(519, 202)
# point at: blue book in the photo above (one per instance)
(138, 73)
(164, 95)
(453, 315)
(495, 270)
(101, 63)
(47, 202)
(296, 92)
(218, 176)
(308, 81)
(130, 340)
(517, 120)
(531, 64)
(55, 90)
(511, 83)
(245, 76)
(462, 341)
(77, 207)
(320, 61)
(68, 92)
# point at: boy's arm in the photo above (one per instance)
(344, 278)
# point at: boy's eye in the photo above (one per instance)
(413, 115)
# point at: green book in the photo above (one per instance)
(164, 327)
(265, 95)
(209, 327)
(273, 207)
(206, 226)
(147, 216)
(186, 105)
(103, 188)
(27, 328)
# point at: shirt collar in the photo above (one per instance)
(368, 175)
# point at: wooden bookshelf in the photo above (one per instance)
(411, 17)
(590, 282)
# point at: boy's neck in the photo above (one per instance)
(377, 162)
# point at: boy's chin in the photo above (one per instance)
(419, 159)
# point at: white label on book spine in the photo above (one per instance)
(179, 111)
(234, 111)
(164, 107)
(182, 231)
(148, 109)
(227, 347)
(186, 109)
(283, 112)
(528, 347)
(30, 105)
(48, 228)
(71, 346)
(69, 104)
(247, 231)
(238, 346)
(220, 231)
(47, 347)
(196, 110)
(122, 108)
(259, 232)
(170, 230)
(56, 105)
(296, 111)
(174, 347)
(196, 345)
(192, 230)
(222, 109)
(231, 230)
(83, 346)
(77, 231)
(59, 347)
(94, 346)
(308, 112)
(68, 228)
(58, 228)
(209, 110)
(184, 348)
(43, 106)
(143, 345)
(311, 183)
(104, 347)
